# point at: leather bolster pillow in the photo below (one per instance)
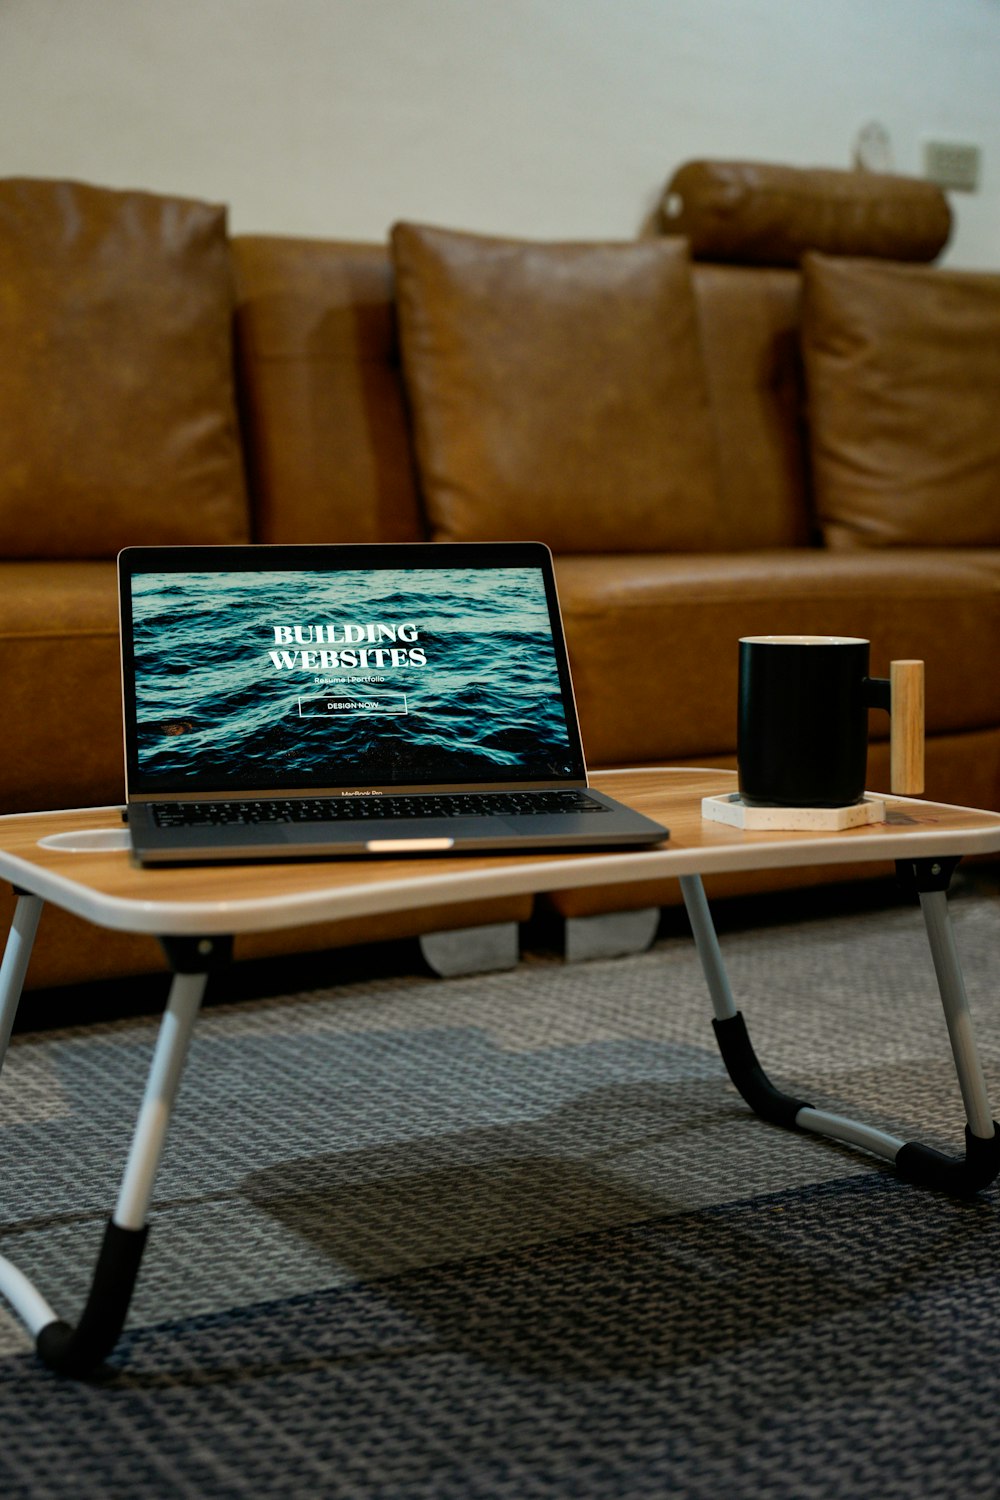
(756, 214)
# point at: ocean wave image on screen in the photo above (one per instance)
(223, 689)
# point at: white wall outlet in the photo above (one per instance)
(952, 164)
(873, 148)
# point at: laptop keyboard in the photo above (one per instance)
(342, 809)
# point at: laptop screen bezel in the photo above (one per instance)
(335, 557)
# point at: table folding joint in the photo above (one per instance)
(918, 877)
(198, 955)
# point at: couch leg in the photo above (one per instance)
(472, 950)
(612, 934)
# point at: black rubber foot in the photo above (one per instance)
(962, 1175)
(749, 1077)
(76, 1351)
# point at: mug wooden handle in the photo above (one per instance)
(906, 679)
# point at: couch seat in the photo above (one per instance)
(653, 638)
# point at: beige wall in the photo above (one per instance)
(537, 117)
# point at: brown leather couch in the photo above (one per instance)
(747, 444)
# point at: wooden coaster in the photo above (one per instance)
(730, 808)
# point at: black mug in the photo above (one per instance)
(802, 738)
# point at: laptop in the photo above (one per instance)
(288, 702)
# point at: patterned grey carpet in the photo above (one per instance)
(517, 1236)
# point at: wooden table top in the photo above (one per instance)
(102, 884)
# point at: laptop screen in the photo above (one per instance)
(328, 668)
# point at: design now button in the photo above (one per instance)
(335, 705)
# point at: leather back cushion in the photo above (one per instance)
(117, 414)
(749, 323)
(756, 213)
(903, 373)
(327, 438)
(557, 391)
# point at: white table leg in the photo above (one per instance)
(17, 953)
(75, 1350)
(941, 936)
(707, 943)
(162, 1084)
(918, 1163)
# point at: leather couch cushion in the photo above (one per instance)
(755, 213)
(61, 728)
(327, 438)
(749, 325)
(117, 415)
(653, 640)
(903, 373)
(557, 391)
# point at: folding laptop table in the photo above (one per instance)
(79, 860)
